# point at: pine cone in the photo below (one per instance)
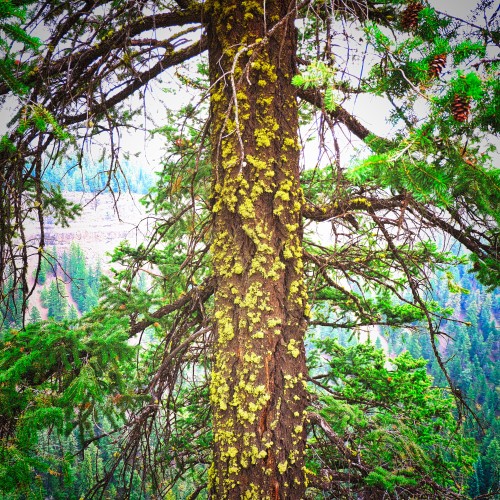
(460, 108)
(436, 65)
(409, 17)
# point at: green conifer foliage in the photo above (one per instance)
(12, 14)
(383, 408)
(35, 315)
(86, 369)
(55, 300)
(72, 313)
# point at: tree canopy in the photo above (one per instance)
(278, 217)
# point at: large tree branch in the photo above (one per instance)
(418, 210)
(331, 210)
(339, 114)
(199, 294)
(183, 4)
(167, 61)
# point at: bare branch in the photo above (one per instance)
(326, 212)
(481, 249)
(200, 293)
(339, 113)
(142, 79)
(83, 58)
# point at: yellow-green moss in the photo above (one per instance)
(246, 209)
(258, 164)
(263, 137)
(293, 349)
(363, 201)
(252, 6)
(242, 180)
(282, 467)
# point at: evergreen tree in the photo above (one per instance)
(77, 270)
(35, 315)
(238, 273)
(55, 300)
(73, 313)
(91, 468)
(42, 273)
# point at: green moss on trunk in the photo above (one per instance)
(258, 383)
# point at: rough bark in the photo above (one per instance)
(258, 382)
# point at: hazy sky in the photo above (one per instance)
(371, 110)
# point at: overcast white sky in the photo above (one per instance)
(371, 110)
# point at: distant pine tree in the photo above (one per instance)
(73, 313)
(35, 315)
(55, 300)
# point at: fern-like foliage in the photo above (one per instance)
(55, 376)
(12, 13)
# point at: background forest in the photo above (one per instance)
(70, 284)
(310, 308)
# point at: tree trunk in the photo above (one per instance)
(258, 382)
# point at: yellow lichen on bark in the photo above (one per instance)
(257, 394)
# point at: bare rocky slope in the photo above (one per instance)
(105, 221)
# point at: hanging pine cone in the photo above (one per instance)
(460, 108)
(436, 65)
(409, 17)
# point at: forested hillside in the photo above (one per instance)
(94, 177)
(69, 287)
(471, 353)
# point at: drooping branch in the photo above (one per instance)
(168, 60)
(339, 114)
(76, 61)
(472, 244)
(429, 317)
(197, 294)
